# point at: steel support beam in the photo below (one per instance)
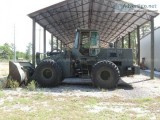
(51, 42)
(33, 42)
(77, 13)
(128, 26)
(152, 49)
(61, 45)
(138, 47)
(122, 42)
(90, 13)
(44, 41)
(129, 40)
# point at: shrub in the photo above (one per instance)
(13, 84)
(32, 85)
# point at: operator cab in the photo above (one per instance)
(87, 41)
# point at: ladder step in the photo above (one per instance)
(85, 69)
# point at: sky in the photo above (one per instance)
(14, 13)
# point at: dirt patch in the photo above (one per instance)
(4, 68)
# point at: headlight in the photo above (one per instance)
(129, 68)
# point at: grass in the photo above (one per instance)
(144, 100)
(45, 106)
(1, 94)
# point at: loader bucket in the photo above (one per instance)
(20, 71)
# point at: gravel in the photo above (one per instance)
(138, 86)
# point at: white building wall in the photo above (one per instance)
(145, 49)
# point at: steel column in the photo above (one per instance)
(90, 13)
(33, 42)
(152, 49)
(14, 43)
(138, 46)
(61, 45)
(57, 44)
(51, 42)
(115, 43)
(44, 41)
(122, 42)
(129, 40)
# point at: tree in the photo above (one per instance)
(28, 51)
(7, 50)
(133, 38)
(20, 55)
(55, 43)
(134, 44)
(126, 41)
(145, 29)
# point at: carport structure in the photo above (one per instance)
(112, 18)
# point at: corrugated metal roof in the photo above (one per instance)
(111, 20)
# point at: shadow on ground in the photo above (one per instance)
(76, 84)
(83, 85)
(87, 82)
(124, 85)
(140, 81)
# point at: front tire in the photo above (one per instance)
(105, 74)
(48, 73)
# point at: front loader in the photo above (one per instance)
(104, 66)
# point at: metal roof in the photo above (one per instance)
(63, 18)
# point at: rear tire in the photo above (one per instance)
(48, 73)
(105, 74)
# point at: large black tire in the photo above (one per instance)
(48, 73)
(105, 74)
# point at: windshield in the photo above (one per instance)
(76, 40)
(89, 44)
(94, 40)
(85, 39)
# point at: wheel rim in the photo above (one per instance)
(47, 73)
(105, 75)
